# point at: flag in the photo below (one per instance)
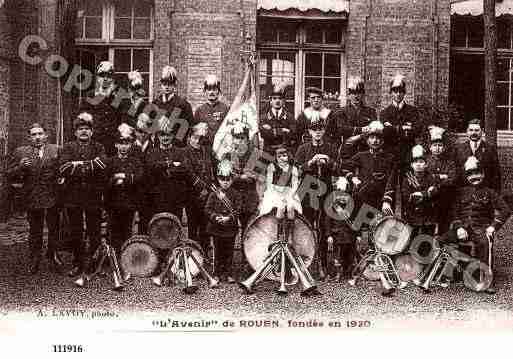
(242, 110)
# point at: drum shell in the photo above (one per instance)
(391, 235)
(165, 231)
(138, 257)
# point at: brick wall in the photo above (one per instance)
(6, 54)
(389, 36)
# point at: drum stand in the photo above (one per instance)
(181, 256)
(281, 251)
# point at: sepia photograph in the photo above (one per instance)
(307, 170)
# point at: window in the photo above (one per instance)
(299, 54)
(467, 68)
(120, 31)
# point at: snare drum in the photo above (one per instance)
(165, 231)
(138, 257)
(391, 235)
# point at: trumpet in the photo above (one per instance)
(189, 288)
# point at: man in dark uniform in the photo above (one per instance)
(36, 166)
(350, 123)
(124, 173)
(317, 159)
(101, 105)
(167, 170)
(277, 126)
(131, 107)
(485, 152)
(441, 164)
(213, 111)
(313, 113)
(176, 108)
(82, 167)
(199, 157)
(479, 212)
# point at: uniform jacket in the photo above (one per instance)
(129, 110)
(202, 172)
(283, 129)
(106, 116)
(443, 165)
(40, 179)
(185, 109)
(215, 207)
(213, 116)
(488, 159)
(83, 186)
(307, 151)
(124, 194)
(377, 171)
(477, 207)
(348, 121)
(422, 210)
(307, 116)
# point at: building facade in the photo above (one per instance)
(436, 44)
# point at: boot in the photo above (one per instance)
(34, 264)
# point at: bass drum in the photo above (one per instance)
(196, 251)
(391, 235)
(165, 231)
(262, 231)
(138, 257)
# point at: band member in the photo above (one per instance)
(168, 173)
(99, 104)
(277, 125)
(36, 166)
(244, 177)
(317, 159)
(131, 107)
(479, 213)
(313, 113)
(485, 152)
(200, 160)
(176, 108)
(401, 120)
(123, 174)
(213, 111)
(82, 170)
(223, 209)
(440, 163)
(351, 122)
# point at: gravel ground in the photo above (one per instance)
(452, 307)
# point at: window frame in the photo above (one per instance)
(300, 48)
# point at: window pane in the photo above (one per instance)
(458, 31)
(313, 81)
(267, 33)
(122, 60)
(333, 34)
(146, 84)
(502, 93)
(142, 9)
(314, 34)
(93, 28)
(503, 33)
(79, 32)
(331, 89)
(92, 8)
(502, 118)
(122, 28)
(142, 28)
(475, 33)
(503, 70)
(142, 60)
(123, 8)
(121, 80)
(313, 64)
(287, 32)
(332, 65)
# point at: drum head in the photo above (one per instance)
(195, 250)
(391, 235)
(407, 267)
(262, 232)
(138, 257)
(165, 230)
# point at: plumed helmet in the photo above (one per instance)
(126, 133)
(398, 82)
(105, 67)
(375, 128)
(200, 129)
(83, 119)
(355, 84)
(417, 153)
(135, 80)
(279, 88)
(211, 81)
(224, 168)
(143, 122)
(169, 74)
(436, 134)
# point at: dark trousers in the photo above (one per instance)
(316, 221)
(82, 254)
(224, 255)
(36, 219)
(121, 220)
(197, 223)
(146, 211)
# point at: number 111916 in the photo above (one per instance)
(67, 348)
